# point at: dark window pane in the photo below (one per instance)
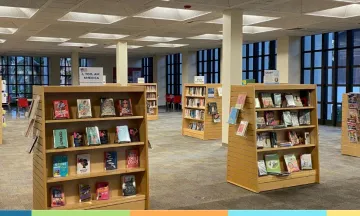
(329, 111)
(330, 59)
(20, 79)
(307, 43)
(341, 75)
(331, 40)
(342, 39)
(251, 64)
(28, 60)
(307, 60)
(244, 51)
(329, 74)
(37, 61)
(342, 58)
(44, 61)
(319, 111)
(45, 80)
(37, 80)
(356, 74)
(317, 59)
(357, 56)
(329, 94)
(251, 49)
(20, 60)
(28, 70)
(318, 42)
(307, 77)
(12, 60)
(12, 70)
(266, 63)
(267, 47)
(317, 76)
(318, 93)
(12, 79)
(260, 48)
(260, 63)
(251, 75)
(28, 88)
(338, 112)
(20, 69)
(21, 89)
(243, 75)
(28, 80)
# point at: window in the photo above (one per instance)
(84, 62)
(208, 65)
(22, 72)
(173, 74)
(147, 69)
(65, 69)
(258, 57)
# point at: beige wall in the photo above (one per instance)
(289, 59)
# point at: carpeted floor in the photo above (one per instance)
(187, 173)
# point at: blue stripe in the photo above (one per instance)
(14, 213)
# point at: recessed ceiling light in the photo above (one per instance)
(91, 18)
(168, 45)
(158, 39)
(17, 12)
(257, 29)
(2, 41)
(7, 30)
(77, 44)
(247, 19)
(175, 14)
(208, 37)
(347, 11)
(48, 39)
(103, 36)
(129, 47)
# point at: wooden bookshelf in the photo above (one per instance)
(1, 111)
(151, 99)
(347, 147)
(211, 130)
(43, 178)
(242, 168)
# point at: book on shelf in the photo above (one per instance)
(212, 108)
(216, 117)
(285, 144)
(102, 191)
(104, 138)
(194, 114)
(260, 140)
(307, 138)
(132, 158)
(61, 109)
(242, 128)
(211, 92)
(233, 116)
(277, 100)
(266, 137)
(128, 185)
(273, 140)
(353, 114)
(270, 118)
(290, 100)
(293, 137)
(291, 163)
(84, 108)
(257, 103)
(110, 160)
(304, 117)
(57, 196)
(294, 118)
(60, 166)
(301, 137)
(262, 168)
(107, 108)
(93, 136)
(305, 98)
(122, 134)
(125, 107)
(297, 100)
(305, 161)
(260, 122)
(83, 163)
(267, 100)
(199, 126)
(240, 102)
(84, 193)
(134, 135)
(219, 91)
(272, 163)
(60, 138)
(287, 118)
(352, 134)
(78, 139)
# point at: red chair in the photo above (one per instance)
(169, 100)
(177, 100)
(22, 103)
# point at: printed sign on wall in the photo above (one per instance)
(199, 79)
(90, 76)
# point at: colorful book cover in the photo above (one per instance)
(57, 196)
(61, 109)
(60, 166)
(122, 133)
(93, 136)
(290, 100)
(291, 163)
(294, 118)
(84, 108)
(267, 100)
(107, 108)
(293, 138)
(110, 160)
(60, 138)
(240, 102)
(260, 122)
(128, 185)
(262, 168)
(78, 139)
(216, 117)
(307, 138)
(212, 108)
(277, 100)
(84, 193)
(132, 158)
(233, 115)
(83, 163)
(306, 163)
(304, 117)
(211, 92)
(134, 135)
(242, 128)
(287, 118)
(103, 136)
(125, 107)
(297, 100)
(102, 191)
(270, 118)
(272, 163)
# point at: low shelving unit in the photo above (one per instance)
(151, 99)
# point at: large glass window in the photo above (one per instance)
(256, 58)
(208, 65)
(173, 74)
(147, 69)
(65, 69)
(22, 72)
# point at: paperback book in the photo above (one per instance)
(107, 108)
(128, 185)
(242, 128)
(132, 158)
(212, 108)
(304, 117)
(233, 116)
(102, 191)
(84, 108)
(290, 100)
(293, 138)
(262, 168)
(93, 136)
(57, 196)
(272, 163)
(257, 103)
(306, 163)
(291, 163)
(260, 141)
(125, 107)
(216, 117)
(294, 118)
(122, 134)
(240, 102)
(60, 166)
(211, 92)
(260, 122)
(270, 118)
(277, 99)
(78, 139)
(104, 138)
(83, 163)
(110, 160)
(60, 138)
(297, 100)
(307, 138)
(267, 100)
(134, 135)
(287, 118)
(84, 193)
(61, 109)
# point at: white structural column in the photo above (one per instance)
(75, 68)
(231, 65)
(188, 67)
(289, 59)
(160, 67)
(122, 63)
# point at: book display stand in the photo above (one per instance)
(246, 159)
(350, 143)
(96, 156)
(198, 121)
(151, 98)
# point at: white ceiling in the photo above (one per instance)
(45, 23)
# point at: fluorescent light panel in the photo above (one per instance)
(247, 19)
(2, 41)
(77, 44)
(103, 36)
(7, 30)
(158, 39)
(90, 18)
(208, 37)
(349, 1)
(175, 14)
(48, 39)
(17, 12)
(257, 29)
(129, 47)
(352, 10)
(166, 45)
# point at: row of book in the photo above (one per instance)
(195, 91)
(353, 120)
(271, 100)
(288, 119)
(271, 164)
(270, 139)
(151, 95)
(102, 191)
(195, 114)
(195, 102)
(199, 126)
(151, 88)
(94, 136)
(107, 108)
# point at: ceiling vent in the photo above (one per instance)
(295, 29)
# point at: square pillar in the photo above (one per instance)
(122, 63)
(75, 68)
(188, 67)
(289, 59)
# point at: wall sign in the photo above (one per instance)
(199, 79)
(271, 77)
(91, 76)
(140, 80)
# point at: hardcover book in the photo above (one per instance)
(122, 134)
(287, 118)
(134, 135)
(83, 163)
(212, 108)
(93, 136)
(240, 102)
(57, 196)
(272, 163)
(233, 115)
(107, 108)
(270, 118)
(294, 118)
(102, 191)
(78, 139)
(304, 117)
(290, 100)
(211, 92)
(306, 163)
(267, 100)
(84, 193)
(84, 108)
(103, 136)
(110, 160)
(60, 166)
(60, 138)
(262, 168)
(132, 158)
(125, 107)
(61, 109)
(277, 100)
(216, 117)
(242, 128)
(128, 185)
(291, 163)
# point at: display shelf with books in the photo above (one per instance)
(151, 99)
(91, 140)
(201, 111)
(279, 145)
(2, 114)
(350, 132)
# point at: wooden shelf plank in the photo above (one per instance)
(151, 98)
(284, 108)
(196, 96)
(300, 174)
(193, 119)
(151, 91)
(94, 175)
(286, 128)
(103, 146)
(93, 119)
(285, 148)
(200, 108)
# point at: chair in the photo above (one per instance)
(176, 101)
(22, 103)
(169, 100)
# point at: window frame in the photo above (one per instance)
(209, 67)
(174, 74)
(147, 69)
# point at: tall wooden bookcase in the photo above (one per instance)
(44, 151)
(347, 147)
(150, 98)
(1, 111)
(242, 168)
(211, 130)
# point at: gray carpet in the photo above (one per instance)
(187, 173)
